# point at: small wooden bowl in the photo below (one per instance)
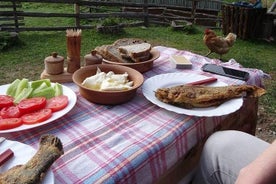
(107, 97)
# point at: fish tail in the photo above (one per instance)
(255, 91)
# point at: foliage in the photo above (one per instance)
(111, 21)
(7, 40)
(184, 26)
(111, 25)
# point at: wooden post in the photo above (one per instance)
(193, 11)
(232, 19)
(146, 13)
(77, 12)
(16, 25)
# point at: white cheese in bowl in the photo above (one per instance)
(108, 81)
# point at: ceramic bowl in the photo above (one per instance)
(107, 97)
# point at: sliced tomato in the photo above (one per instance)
(57, 103)
(10, 112)
(37, 116)
(6, 101)
(31, 104)
(10, 123)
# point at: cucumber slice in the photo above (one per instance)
(12, 88)
(58, 89)
(24, 83)
(37, 83)
(25, 93)
(47, 92)
(41, 87)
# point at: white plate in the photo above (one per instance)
(66, 91)
(172, 79)
(22, 154)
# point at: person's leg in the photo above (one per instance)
(224, 154)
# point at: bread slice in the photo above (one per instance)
(101, 50)
(136, 50)
(137, 59)
(112, 54)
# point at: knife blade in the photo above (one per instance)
(6, 155)
(2, 139)
(203, 81)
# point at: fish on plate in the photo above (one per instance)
(199, 96)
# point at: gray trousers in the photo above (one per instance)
(224, 154)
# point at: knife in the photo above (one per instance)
(2, 139)
(203, 81)
(6, 155)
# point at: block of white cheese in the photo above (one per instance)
(108, 81)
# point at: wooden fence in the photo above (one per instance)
(12, 14)
(247, 23)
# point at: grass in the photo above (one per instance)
(26, 59)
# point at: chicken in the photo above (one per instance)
(217, 44)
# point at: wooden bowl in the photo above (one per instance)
(139, 66)
(107, 97)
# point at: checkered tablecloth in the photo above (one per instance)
(136, 142)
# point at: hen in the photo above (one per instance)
(218, 44)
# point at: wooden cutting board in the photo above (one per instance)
(60, 78)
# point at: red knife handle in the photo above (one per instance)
(204, 81)
(5, 156)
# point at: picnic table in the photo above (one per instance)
(138, 141)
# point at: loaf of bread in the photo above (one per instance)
(126, 50)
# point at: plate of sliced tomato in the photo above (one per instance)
(33, 112)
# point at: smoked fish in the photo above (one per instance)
(188, 96)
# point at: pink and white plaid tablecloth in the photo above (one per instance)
(136, 142)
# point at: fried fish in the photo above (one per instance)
(188, 96)
(50, 149)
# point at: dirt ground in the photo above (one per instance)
(266, 125)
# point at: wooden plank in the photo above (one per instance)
(223, 13)
(45, 1)
(8, 13)
(10, 6)
(45, 14)
(11, 24)
(10, 18)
